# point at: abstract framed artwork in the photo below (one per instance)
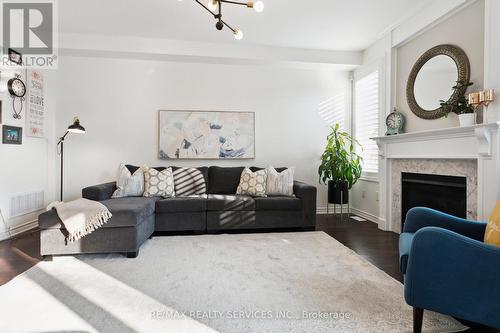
(206, 135)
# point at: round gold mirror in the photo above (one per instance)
(432, 78)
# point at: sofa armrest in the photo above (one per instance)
(99, 192)
(455, 275)
(421, 217)
(307, 194)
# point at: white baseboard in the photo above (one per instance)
(330, 209)
(18, 229)
(320, 210)
(365, 215)
(20, 224)
(355, 211)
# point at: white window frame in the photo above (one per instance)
(358, 74)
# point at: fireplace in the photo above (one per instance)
(444, 193)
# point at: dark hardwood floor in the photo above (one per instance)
(18, 255)
(378, 247)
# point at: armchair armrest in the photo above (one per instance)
(421, 217)
(99, 192)
(307, 194)
(455, 275)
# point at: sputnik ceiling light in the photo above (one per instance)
(214, 7)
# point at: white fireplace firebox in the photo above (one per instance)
(471, 152)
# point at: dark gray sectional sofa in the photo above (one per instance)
(135, 219)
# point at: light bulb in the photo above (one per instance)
(238, 34)
(212, 5)
(258, 6)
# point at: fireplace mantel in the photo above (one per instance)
(479, 143)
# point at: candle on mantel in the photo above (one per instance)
(489, 96)
(481, 96)
(474, 99)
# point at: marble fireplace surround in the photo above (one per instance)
(459, 167)
(472, 152)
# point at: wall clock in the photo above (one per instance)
(395, 122)
(17, 89)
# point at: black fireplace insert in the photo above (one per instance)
(444, 193)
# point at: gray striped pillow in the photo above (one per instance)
(189, 181)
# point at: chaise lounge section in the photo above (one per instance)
(135, 219)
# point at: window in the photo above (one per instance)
(366, 118)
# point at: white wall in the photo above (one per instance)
(398, 63)
(491, 56)
(464, 29)
(365, 193)
(28, 167)
(118, 100)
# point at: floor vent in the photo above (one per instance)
(26, 203)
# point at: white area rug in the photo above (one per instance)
(289, 282)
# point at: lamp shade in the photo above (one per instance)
(76, 127)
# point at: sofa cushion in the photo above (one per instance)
(189, 181)
(277, 169)
(278, 203)
(223, 180)
(194, 203)
(129, 184)
(204, 170)
(158, 183)
(279, 183)
(252, 183)
(224, 202)
(492, 232)
(405, 241)
(127, 212)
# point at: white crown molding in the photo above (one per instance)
(189, 51)
(422, 18)
(429, 16)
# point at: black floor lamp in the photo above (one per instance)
(73, 128)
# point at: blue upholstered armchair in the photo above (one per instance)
(448, 269)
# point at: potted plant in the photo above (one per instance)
(340, 166)
(460, 106)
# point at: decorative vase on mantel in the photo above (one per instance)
(467, 119)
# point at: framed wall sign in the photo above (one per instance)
(15, 57)
(12, 135)
(36, 109)
(206, 135)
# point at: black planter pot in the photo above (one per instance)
(338, 193)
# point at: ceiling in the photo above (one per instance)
(343, 25)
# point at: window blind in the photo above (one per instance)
(366, 119)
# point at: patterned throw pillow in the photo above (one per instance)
(252, 183)
(129, 185)
(492, 233)
(158, 183)
(189, 181)
(279, 183)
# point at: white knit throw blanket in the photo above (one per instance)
(81, 216)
